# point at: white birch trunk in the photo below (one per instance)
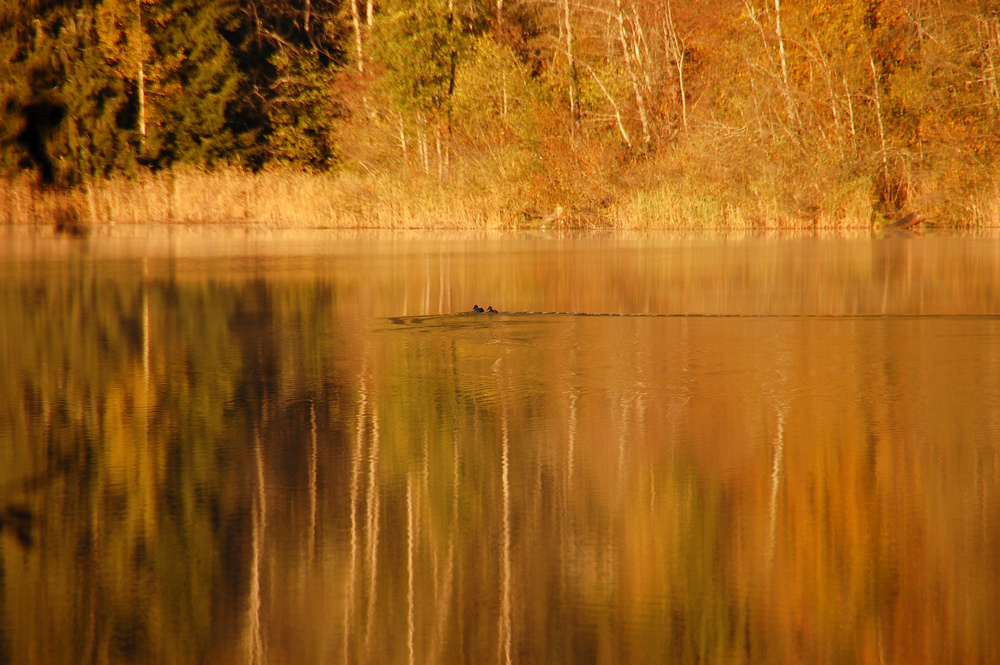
(574, 95)
(782, 56)
(630, 66)
(675, 49)
(881, 126)
(356, 24)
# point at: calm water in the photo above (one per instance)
(296, 448)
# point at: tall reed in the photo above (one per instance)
(477, 196)
(277, 198)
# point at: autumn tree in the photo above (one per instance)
(415, 44)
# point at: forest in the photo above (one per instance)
(494, 113)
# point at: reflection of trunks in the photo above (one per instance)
(765, 448)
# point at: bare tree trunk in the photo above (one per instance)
(504, 73)
(356, 24)
(454, 54)
(881, 126)
(425, 156)
(141, 82)
(834, 102)
(640, 47)
(440, 152)
(850, 114)
(445, 161)
(675, 49)
(782, 56)
(752, 13)
(614, 105)
(630, 66)
(574, 95)
(782, 64)
(142, 107)
(402, 138)
(989, 34)
(781, 42)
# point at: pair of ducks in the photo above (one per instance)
(489, 310)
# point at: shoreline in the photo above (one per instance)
(292, 199)
(238, 230)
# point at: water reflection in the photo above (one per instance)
(297, 452)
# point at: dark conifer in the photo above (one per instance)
(39, 119)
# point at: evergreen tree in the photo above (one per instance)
(301, 114)
(52, 59)
(128, 48)
(195, 97)
(290, 52)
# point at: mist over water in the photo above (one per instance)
(303, 447)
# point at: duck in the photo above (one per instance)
(490, 310)
(477, 309)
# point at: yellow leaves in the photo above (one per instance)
(909, 88)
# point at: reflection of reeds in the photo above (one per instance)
(23, 201)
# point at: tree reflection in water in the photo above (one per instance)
(246, 460)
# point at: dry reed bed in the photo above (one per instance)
(279, 199)
(270, 199)
(286, 198)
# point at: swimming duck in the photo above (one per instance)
(490, 310)
(477, 309)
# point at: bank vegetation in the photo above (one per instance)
(499, 113)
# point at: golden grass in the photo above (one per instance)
(697, 203)
(478, 198)
(279, 199)
(283, 198)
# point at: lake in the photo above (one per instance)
(220, 446)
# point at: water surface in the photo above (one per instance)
(222, 447)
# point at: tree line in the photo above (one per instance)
(900, 98)
(113, 85)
